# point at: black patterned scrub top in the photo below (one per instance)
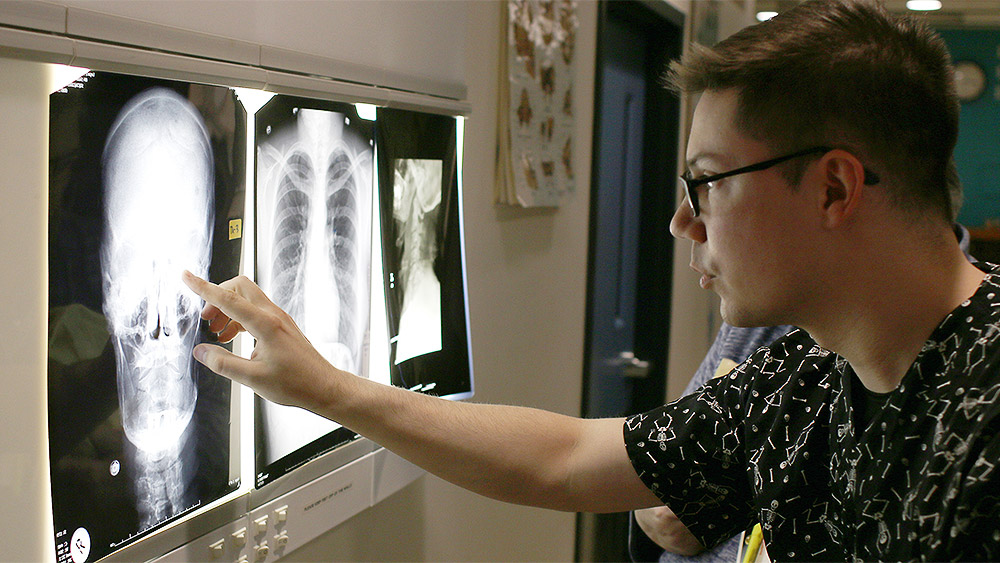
(778, 441)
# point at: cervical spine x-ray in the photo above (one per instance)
(314, 208)
(139, 432)
(424, 269)
(415, 207)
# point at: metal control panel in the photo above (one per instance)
(283, 524)
(290, 521)
(228, 543)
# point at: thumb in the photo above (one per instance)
(224, 362)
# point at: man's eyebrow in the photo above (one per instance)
(700, 157)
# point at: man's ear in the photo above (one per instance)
(843, 185)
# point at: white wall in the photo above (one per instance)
(23, 203)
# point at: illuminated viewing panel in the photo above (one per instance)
(146, 179)
(353, 225)
(314, 208)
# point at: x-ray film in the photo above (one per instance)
(146, 180)
(416, 203)
(424, 269)
(314, 210)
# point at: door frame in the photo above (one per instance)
(600, 537)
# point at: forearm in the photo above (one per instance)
(514, 454)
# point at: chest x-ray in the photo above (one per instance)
(314, 192)
(140, 169)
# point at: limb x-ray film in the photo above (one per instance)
(146, 179)
(314, 210)
(424, 270)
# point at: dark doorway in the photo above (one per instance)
(636, 127)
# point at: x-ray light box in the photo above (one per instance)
(352, 224)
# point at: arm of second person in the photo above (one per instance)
(662, 526)
(514, 454)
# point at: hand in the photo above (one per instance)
(284, 367)
(666, 530)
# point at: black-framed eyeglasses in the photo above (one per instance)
(691, 184)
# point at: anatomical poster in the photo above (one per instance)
(314, 209)
(536, 141)
(422, 253)
(146, 179)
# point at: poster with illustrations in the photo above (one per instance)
(537, 130)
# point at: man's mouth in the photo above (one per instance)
(706, 279)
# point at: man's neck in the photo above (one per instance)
(887, 314)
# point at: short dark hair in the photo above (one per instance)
(843, 73)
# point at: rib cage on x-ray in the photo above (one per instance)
(342, 210)
(292, 215)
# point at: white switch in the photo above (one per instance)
(281, 515)
(261, 525)
(261, 551)
(243, 559)
(240, 537)
(217, 549)
(281, 540)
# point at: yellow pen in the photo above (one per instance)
(753, 544)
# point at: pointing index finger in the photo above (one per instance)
(236, 303)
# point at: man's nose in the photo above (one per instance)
(685, 225)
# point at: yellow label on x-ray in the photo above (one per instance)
(235, 229)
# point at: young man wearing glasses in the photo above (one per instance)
(872, 433)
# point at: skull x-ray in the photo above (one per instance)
(314, 208)
(159, 212)
(424, 269)
(144, 178)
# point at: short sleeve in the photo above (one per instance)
(690, 454)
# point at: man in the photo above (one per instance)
(656, 534)
(817, 198)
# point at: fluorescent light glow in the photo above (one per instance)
(62, 76)
(366, 111)
(923, 5)
(764, 16)
(252, 100)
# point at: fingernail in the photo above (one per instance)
(199, 353)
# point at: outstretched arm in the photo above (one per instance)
(514, 454)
